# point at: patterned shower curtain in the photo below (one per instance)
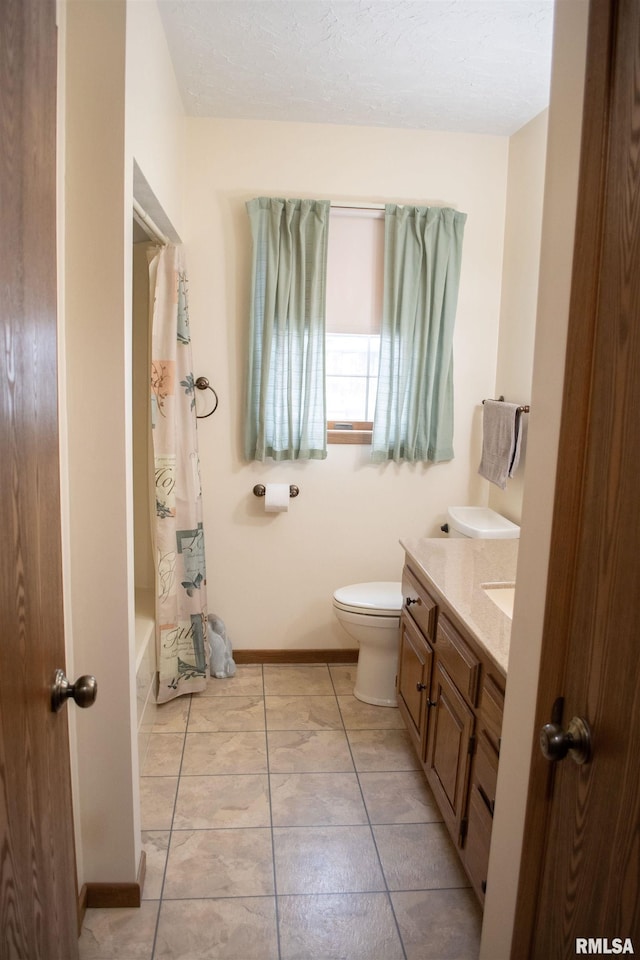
(181, 599)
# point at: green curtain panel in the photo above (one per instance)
(286, 406)
(414, 404)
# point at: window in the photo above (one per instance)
(353, 316)
(415, 253)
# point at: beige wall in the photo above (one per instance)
(271, 577)
(118, 102)
(96, 399)
(519, 736)
(155, 115)
(523, 226)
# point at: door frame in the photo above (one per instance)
(576, 412)
(605, 135)
(556, 264)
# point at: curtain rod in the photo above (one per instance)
(354, 205)
(148, 225)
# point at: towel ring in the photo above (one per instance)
(203, 384)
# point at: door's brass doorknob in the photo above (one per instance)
(84, 691)
(556, 743)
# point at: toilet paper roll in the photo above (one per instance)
(276, 498)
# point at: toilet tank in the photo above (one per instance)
(480, 522)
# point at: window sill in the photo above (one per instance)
(353, 431)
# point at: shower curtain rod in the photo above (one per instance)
(150, 228)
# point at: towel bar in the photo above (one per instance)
(522, 409)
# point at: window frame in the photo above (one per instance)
(350, 431)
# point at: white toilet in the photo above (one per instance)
(370, 613)
(480, 522)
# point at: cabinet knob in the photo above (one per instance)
(411, 600)
(420, 687)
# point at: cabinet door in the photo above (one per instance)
(449, 748)
(414, 679)
(476, 849)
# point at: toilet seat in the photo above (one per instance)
(377, 599)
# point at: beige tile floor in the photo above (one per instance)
(283, 819)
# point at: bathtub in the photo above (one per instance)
(145, 666)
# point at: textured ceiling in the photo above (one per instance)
(476, 66)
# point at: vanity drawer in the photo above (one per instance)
(485, 770)
(417, 601)
(462, 664)
(492, 707)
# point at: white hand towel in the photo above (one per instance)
(500, 441)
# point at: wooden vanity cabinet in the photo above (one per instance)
(451, 698)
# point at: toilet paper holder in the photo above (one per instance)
(260, 490)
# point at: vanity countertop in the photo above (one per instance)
(456, 568)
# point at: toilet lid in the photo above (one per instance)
(382, 598)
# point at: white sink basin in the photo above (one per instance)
(502, 594)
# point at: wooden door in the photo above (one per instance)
(38, 896)
(580, 876)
